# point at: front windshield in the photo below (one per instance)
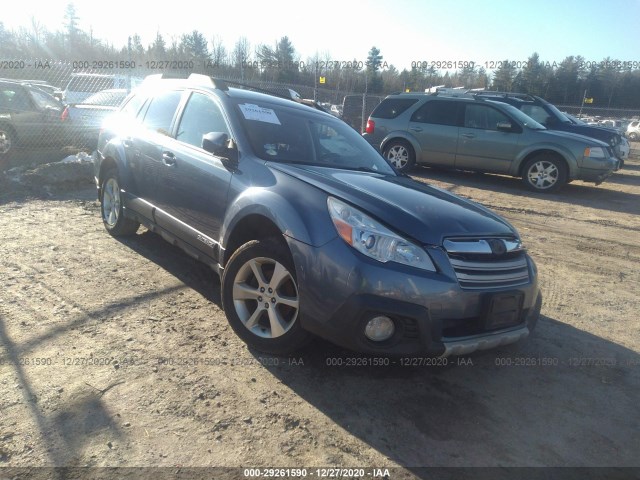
(288, 135)
(523, 118)
(574, 120)
(561, 116)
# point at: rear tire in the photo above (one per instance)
(260, 297)
(400, 154)
(544, 173)
(112, 209)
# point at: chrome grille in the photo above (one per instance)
(484, 269)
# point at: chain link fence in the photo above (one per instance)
(58, 106)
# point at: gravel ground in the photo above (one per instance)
(117, 353)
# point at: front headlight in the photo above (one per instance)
(373, 239)
(595, 152)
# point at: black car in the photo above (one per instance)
(28, 117)
(310, 229)
(548, 115)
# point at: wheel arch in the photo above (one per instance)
(544, 151)
(113, 156)
(258, 214)
(407, 137)
(253, 226)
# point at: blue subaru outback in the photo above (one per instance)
(310, 229)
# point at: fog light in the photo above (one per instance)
(379, 329)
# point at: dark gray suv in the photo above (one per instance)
(470, 133)
(309, 227)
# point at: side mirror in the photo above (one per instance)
(504, 126)
(220, 145)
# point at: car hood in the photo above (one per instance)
(575, 136)
(427, 214)
(591, 131)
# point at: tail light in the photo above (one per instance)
(371, 126)
(65, 114)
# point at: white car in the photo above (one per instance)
(633, 131)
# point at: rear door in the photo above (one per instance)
(435, 126)
(50, 116)
(482, 146)
(195, 185)
(18, 110)
(144, 150)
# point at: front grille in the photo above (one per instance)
(477, 270)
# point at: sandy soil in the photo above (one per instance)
(117, 353)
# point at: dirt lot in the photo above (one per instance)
(117, 353)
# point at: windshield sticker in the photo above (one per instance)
(254, 112)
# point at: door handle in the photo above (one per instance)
(415, 129)
(468, 135)
(168, 159)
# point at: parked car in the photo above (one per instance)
(623, 148)
(83, 120)
(336, 110)
(83, 85)
(614, 124)
(41, 84)
(633, 131)
(548, 115)
(28, 117)
(470, 133)
(311, 230)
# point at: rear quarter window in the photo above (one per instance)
(392, 107)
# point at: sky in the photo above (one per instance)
(405, 31)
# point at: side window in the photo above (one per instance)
(483, 117)
(438, 112)
(14, 98)
(392, 107)
(43, 100)
(132, 107)
(160, 112)
(201, 115)
(539, 114)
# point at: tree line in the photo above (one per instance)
(611, 83)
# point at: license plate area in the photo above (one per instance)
(503, 310)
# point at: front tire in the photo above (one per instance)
(7, 141)
(400, 154)
(544, 173)
(260, 297)
(111, 208)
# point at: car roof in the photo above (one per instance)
(288, 98)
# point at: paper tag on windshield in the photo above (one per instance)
(254, 112)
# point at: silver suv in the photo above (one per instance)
(470, 133)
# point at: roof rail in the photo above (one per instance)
(493, 93)
(194, 78)
(455, 94)
(206, 80)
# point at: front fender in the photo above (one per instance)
(526, 153)
(304, 218)
(404, 135)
